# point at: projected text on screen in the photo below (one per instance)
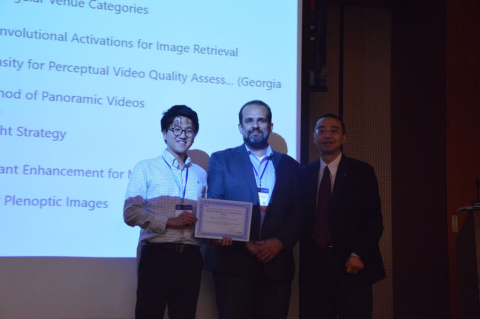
(83, 85)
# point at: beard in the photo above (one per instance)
(257, 142)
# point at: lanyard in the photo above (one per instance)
(177, 182)
(264, 169)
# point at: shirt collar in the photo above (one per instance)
(268, 154)
(333, 166)
(173, 161)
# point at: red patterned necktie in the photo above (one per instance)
(321, 233)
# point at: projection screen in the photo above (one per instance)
(83, 85)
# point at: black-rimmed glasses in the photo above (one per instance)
(177, 131)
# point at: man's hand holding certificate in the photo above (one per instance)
(223, 218)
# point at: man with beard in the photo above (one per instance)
(253, 279)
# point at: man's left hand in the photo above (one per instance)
(268, 249)
(354, 264)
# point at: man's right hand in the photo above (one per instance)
(185, 219)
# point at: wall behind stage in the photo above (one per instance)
(409, 91)
(462, 122)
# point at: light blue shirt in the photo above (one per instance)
(259, 165)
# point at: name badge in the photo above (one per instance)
(181, 208)
(263, 196)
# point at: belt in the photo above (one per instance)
(178, 248)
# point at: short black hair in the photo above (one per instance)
(179, 110)
(334, 117)
(256, 102)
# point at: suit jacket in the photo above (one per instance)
(230, 177)
(355, 222)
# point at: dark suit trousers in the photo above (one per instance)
(252, 295)
(327, 292)
(167, 277)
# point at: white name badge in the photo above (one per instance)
(263, 196)
(182, 208)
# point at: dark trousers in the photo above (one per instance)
(327, 292)
(251, 296)
(167, 277)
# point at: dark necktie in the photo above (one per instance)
(321, 233)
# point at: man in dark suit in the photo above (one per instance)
(253, 279)
(339, 255)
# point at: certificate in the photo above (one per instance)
(223, 218)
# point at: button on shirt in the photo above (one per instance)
(269, 178)
(152, 195)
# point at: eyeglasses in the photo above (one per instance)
(177, 131)
(332, 131)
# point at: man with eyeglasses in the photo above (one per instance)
(253, 279)
(161, 199)
(339, 255)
